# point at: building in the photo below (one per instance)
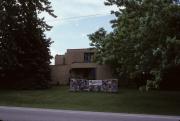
(78, 64)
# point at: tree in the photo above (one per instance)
(145, 38)
(24, 48)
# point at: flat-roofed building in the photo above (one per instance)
(78, 64)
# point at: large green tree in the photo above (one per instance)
(24, 48)
(145, 38)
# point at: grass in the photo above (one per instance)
(126, 101)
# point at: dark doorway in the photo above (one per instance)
(83, 73)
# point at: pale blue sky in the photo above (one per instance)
(70, 30)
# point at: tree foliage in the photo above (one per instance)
(145, 38)
(24, 48)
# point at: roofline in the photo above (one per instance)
(81, 48)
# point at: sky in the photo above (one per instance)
(75, 20)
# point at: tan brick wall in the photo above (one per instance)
(60, 74)
(76, 55)
(59, 59)
(74, 58)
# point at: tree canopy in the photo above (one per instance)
(24, 48)
(145, 38)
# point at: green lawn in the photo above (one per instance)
(126, 101)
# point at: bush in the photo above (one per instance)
(142, 89)
(140, 78)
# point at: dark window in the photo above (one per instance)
(88, 57)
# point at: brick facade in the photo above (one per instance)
(78, 63)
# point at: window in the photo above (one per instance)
(88, 57)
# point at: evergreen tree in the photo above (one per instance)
(24, 48)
